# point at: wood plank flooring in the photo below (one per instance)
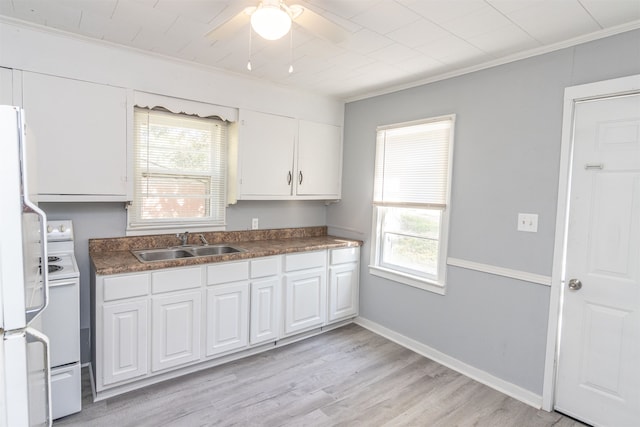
(346, 377)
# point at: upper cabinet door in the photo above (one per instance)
(80, 129)
(6, 87)
(266, 155)
(319, 160)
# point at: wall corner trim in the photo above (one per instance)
(483, 377)
(501, 271)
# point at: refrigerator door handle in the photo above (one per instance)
(32, 313)
(29, 206)
(34, 335)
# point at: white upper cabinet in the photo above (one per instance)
(266, 150)
(319, 171)
(80, 129)
(281, 158)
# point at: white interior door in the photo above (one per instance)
(598, 377)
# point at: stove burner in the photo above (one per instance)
(54, 268)
(53, 259)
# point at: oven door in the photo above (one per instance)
(61, 321)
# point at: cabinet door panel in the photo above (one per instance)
(227, 317)
(80, 129)
(176, 329)
(124, 343)
(265, 310)
(266, 144)
(319, 160)
(305, 300)
(343, 291)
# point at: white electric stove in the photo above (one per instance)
(61, 320)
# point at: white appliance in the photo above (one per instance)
(25, 389)
(61, 321)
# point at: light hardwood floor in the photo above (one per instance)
(349, 377)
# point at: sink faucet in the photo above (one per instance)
(203, 240)
(183, 237)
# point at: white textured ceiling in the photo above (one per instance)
(391, 43)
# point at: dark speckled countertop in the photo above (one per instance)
(113, 256)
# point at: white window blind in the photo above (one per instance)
(180, 170)
(412, 164)
(411, 193)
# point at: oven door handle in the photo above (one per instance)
(56, 283)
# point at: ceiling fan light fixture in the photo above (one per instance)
(270, 21)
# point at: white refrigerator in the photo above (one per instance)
(25, 394)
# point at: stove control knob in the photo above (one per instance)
(49, 229)
(62, 228)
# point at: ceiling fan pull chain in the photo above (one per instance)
(291, 52)
(249, 61)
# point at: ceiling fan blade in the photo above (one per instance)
(319, 25)
(231, 26)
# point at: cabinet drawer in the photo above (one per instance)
(341, 256)
(66, 392)
(176, 279)
(227, 272)
(302, 261)
(265, 267)
(129, 286)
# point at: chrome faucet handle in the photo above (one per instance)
(184, 237)
(202, 239)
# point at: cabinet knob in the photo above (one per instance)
(300, 177)
(289, 178)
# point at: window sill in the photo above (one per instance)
(190, 227)
(408, 279)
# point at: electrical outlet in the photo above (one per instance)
(254, 224)
(528, 222)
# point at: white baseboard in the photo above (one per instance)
(479, 375)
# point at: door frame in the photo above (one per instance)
(572, 94)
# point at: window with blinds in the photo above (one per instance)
(180, 170)
(411, 194)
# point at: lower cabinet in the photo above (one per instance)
(264, 310)
(124, 341)
(227, 317)
(305, 291)
(153, 323)
(175, 329)
(343, 283)
(265, 300)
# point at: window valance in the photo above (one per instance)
(179, 105)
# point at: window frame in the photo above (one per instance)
(137, 226)
(377, 267)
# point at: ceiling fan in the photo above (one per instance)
(272, 19)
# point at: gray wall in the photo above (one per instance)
(94, 220)
(506, 160)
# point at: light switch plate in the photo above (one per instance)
(254, 223)
(528, 222)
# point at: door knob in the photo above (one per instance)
(575, 284)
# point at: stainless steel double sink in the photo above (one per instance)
(164, 254)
